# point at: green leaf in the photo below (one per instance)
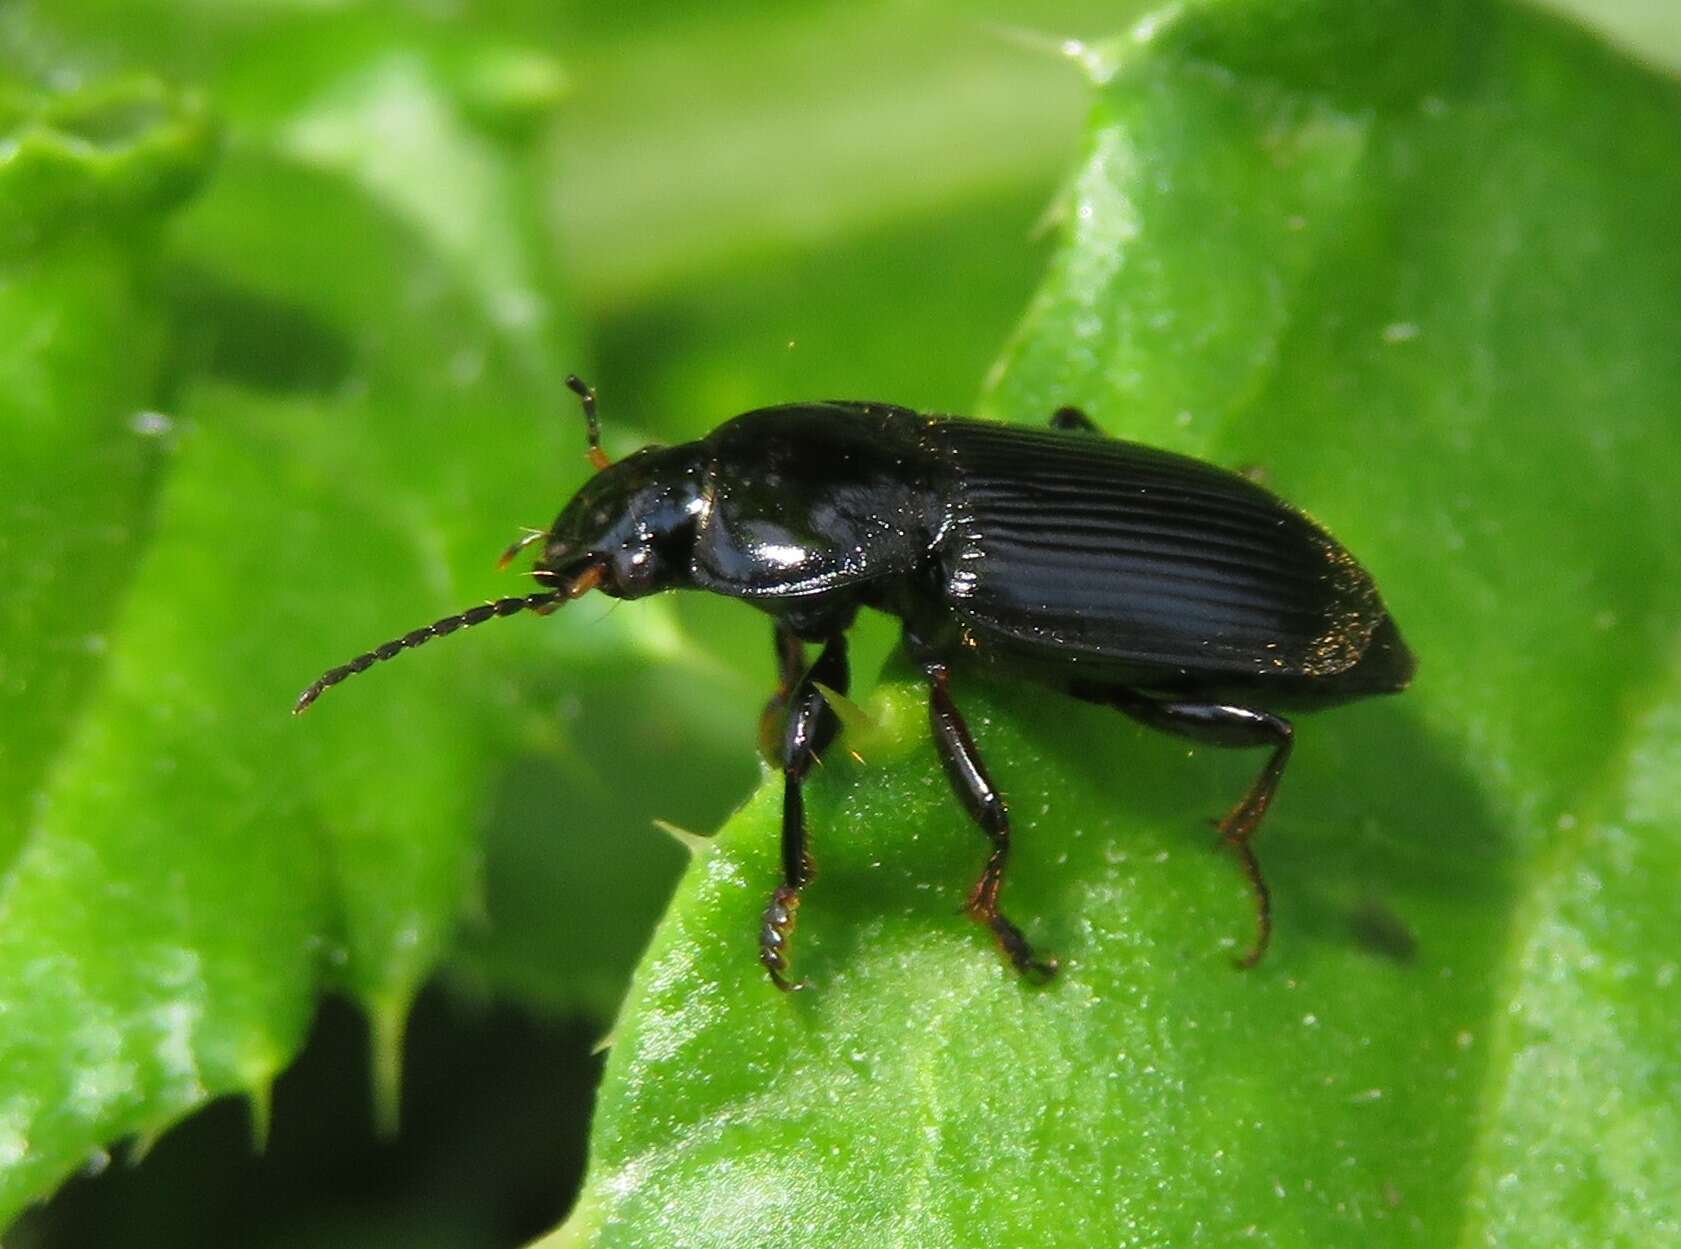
(106, 158)
(81, 350)
(907, 109)
(338, 404)
(82, 362)
(1418, 269)
(306, 423)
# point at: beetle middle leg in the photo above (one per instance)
(986, 807)
(811, 725)
(1217, 724)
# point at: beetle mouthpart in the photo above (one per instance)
(583, 581)
(586, 579)
(514, 548)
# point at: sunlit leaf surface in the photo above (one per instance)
(1419, 271)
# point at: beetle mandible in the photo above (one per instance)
(1182, 595)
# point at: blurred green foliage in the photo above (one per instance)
(286, 294)
(1418, 267)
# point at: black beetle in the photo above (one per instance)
(1181, 594)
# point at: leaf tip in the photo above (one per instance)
(388, 1019)
(694, 843)
(259, 1099)
(141, 1143)
(853, 718)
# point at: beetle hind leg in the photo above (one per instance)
(1074, 421)
(1217, 724)
(981, 799)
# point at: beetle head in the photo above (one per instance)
(628, 532)
(635, 520)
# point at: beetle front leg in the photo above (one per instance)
(1216, 724)
(981, 799)
(790, 667)
(811, 726)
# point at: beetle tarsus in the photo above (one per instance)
(1263, 901)
(1014, 944)
(780, 916)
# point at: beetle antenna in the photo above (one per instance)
(542, 603)
(586, 396)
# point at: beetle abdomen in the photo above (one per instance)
(1091, 549)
